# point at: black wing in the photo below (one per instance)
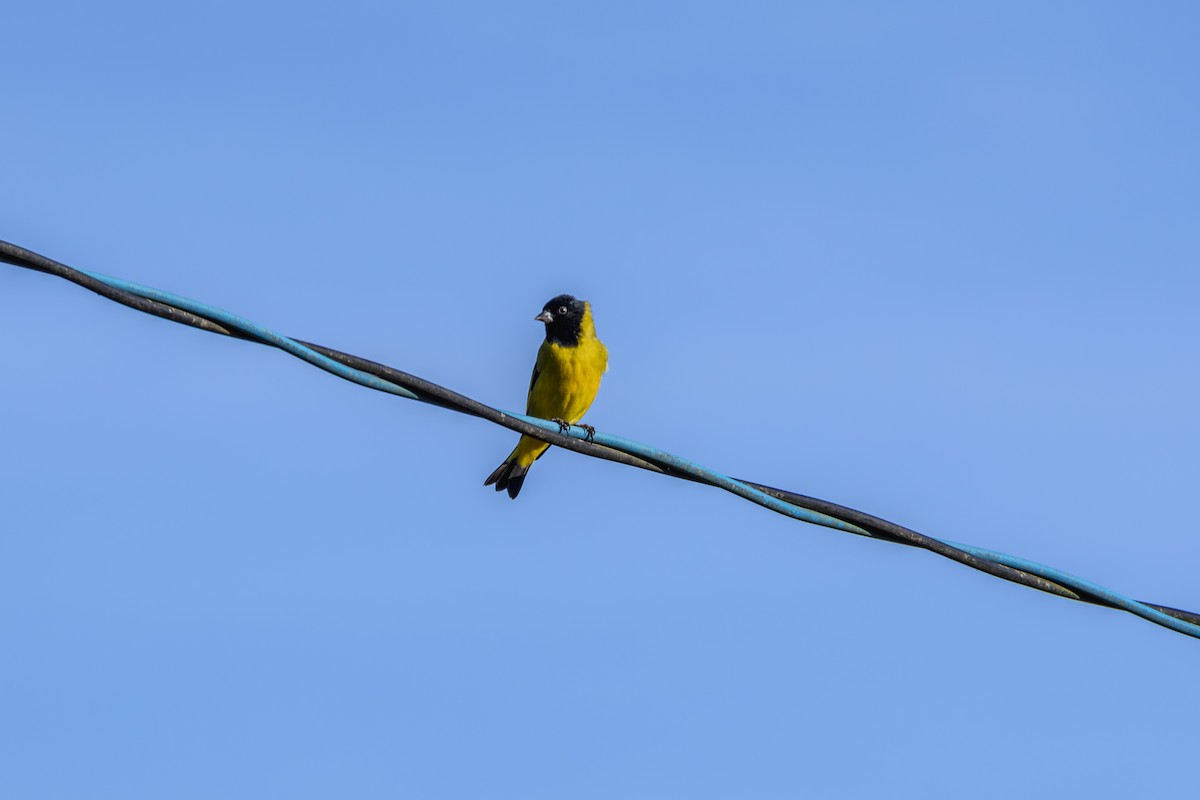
(532, 380)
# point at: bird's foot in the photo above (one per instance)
(563, 425)
(591, 432)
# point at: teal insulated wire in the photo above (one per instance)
(614, 448)
(256, 332)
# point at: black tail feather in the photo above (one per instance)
(509, 475)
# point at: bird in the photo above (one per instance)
(565, 380)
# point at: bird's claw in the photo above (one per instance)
(564, 426)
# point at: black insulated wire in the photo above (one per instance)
(441, 396)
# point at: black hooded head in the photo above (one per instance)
(563, 317)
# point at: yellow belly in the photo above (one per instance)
(567, 382)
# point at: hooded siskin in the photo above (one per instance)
(565, 380)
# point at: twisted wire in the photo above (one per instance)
(381, 377)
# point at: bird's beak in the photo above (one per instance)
(545, 316)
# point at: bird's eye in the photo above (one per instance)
(562, 309)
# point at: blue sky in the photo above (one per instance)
(936, 261)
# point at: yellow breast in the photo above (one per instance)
(569, 379)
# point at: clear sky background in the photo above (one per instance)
(937, 261)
